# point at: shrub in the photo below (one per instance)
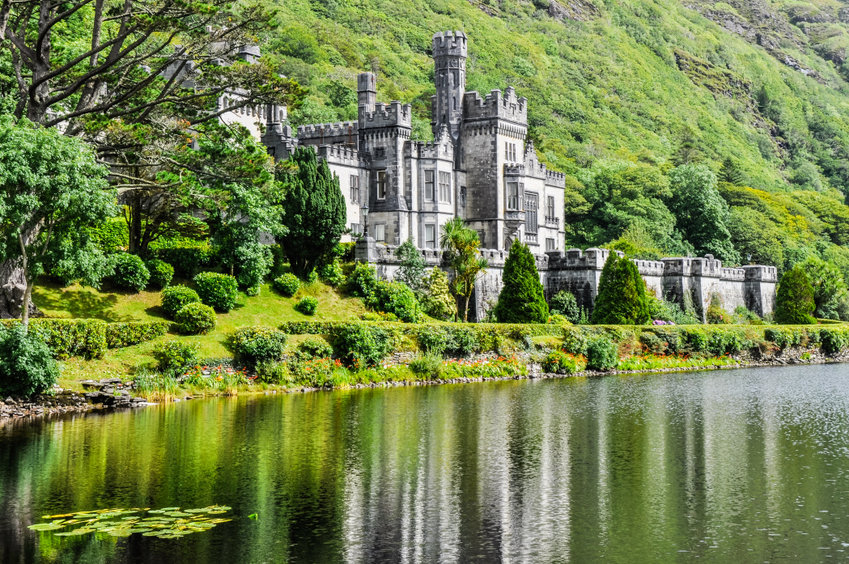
(331, 273)
(313, 348)
(362, 282)
(716, 314)
(253, 345)
(307, 305)
(621, 294)
(724, 342)
(427, 366)
(119, 335)
(112, 236)
(432, 340)
(794, 303)
(195, 319)
(602, 354)
(521, 299)
(161, 273)
(174, 298)
(287, 284)
(436, 299)
(175, 356)
(187, 256)
(27, 365)
(67, 338)
(396, 298)
(361, 346)
(834, 340)
(696, 340)
(461, 341)
(566, 304)
(558, 362)
(661, 341)
(216, 290)
(129, 272)
(574, 341)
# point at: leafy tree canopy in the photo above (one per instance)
(794, 303)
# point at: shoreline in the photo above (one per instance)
(66, 402)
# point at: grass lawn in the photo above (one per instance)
(268, 309)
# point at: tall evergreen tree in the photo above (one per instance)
(521, 299)
(314, 211)
(794, 304)
(621, 296)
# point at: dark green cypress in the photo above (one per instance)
(621, 296)
(314, 211)
(794, 303)
(521, 299)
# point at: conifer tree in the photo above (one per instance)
(621, 294)
(521, 299)
(314, 211)
(436, 299)
(794, 303)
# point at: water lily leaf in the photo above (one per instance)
(178, 514)
(117, 532)
(45, 527)
(76, 532)
(85, 516)
(62, 516)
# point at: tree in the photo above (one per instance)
(412, 269)
(51, 193)
(794, 303)
(730, 172)
(313, 210)
(621, 296)
(436, 299)
(461, 245)
(701, 213)
(521, 299)
(830, 290)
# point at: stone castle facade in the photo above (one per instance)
(481, 167)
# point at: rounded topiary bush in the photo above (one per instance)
(174, 298)
(129, 273)
(287, 284)
(253, 345)
(195, 319)
(602, 354)
(161, 273)
(216, 290)
(27, 365)
(307, 305)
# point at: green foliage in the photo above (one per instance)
(161, 273)
(27, 366)
(313, 210)
(559, 362)
(564, 303)
(287, 284)
(130, 272)
(521, 299)
(436, 299)
(216, 290)
(111, 236)
(362, 282)
(307, 305)
(253, 345)
(187, 256)
(397, 299)
(254, 261)
(830, 291)
(66, 338)
(621, 296)
(716, 314)
(195, 319)
(361, 346)
(173, 298)
(671, 312)
(313, 348)
(119, 335)
(794, 303)
(173, 357)
(331, 273)
(602, 354)
(433, 339)
(427, 366)
(461, 246)
(575, 341)
(834, 340)
(412, 269)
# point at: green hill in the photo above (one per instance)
(646, 84)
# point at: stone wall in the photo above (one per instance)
(580, 272)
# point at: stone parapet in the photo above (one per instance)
(325, 130)
(394, 114)
(496, 105)
(340, 155)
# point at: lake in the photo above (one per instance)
(743, 465)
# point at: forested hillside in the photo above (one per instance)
(621, 93)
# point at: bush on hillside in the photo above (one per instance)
(621, 294)
(436, 298)
(331, 273)
(287, 284)
(219, 291)
(313, 348)
(362, 282)
(129, 272)
(396, 298)
(521, 299)
(559, 362)
(566, 304)
(119, 335)
(161, 273)
(195, 319)
(253, 345)
(174, 298)
(716, 314)
(307, 305)
(27, 366)
(794, 303)
(602, 354)
(173, 357)
(433, 340)
(187, 256)
(361, 346)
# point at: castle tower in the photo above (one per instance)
(366, 91)
(449, 55)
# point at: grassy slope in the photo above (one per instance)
(268, 309)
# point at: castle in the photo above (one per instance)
(482, 168)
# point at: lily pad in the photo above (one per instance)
(75, 532)
(46, 527)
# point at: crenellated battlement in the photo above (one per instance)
(394, 114)
(554, 178)
(450, 44)
(496, 105)
(514, 170)
(761, 273)
(325, 130)
(339, 154)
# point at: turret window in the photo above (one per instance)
(445, 187)
(510, 152)
(429, 186)
(430, 236)
(381, 184)
(513, 196)
(355, 189)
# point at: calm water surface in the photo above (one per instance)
(738, 466)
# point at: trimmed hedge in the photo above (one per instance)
(253, 345)
(187, 256)
(161, 273)
(173, 298)
(195, 319)
(119, 335)
(219, 291)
